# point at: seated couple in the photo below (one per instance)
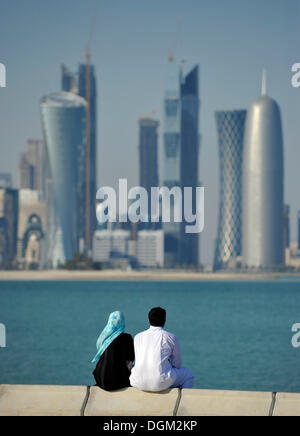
(151, 363)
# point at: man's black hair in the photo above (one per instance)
(157, 317)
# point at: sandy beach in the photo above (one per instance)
(119, 275)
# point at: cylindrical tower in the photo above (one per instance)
(64, 127)
(263, 203)
(230, 127)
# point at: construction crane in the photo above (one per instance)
(88, 238)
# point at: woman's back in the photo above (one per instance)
(111, 372)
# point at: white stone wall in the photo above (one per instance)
(34, 400)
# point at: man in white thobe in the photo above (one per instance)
(158, 358)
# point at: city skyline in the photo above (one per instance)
(149, 177)
(230, 72)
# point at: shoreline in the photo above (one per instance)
(151, 276)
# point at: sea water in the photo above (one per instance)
(233, 335)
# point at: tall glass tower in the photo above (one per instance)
(287, 225)
(189, 162)
(68, 80)
(172, 154)
(263, 204)
(181, 155)
(148, 155)
(64, 126)
(231, 128)
(82, 81)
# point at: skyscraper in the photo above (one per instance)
(148, 154)
(26, 173)
(286, 226)
(64, 126)
(230, 128)
(32, 166)
(172, 126)
(8, 226)
(91, 98)
(181, 155)
(172, 153)
(84, 84)
(68, 80)
(189, 162)
(263, 241)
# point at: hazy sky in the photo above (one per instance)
(231, 40)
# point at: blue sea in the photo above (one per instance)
(233, 335)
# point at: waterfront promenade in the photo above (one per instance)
(43, 400)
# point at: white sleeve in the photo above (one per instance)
(176, 354)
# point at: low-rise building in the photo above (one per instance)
(117, 247)
(108, 244)
(150, 248)
(292, 257)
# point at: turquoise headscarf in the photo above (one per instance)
(114, 327)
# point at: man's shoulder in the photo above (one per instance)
(139, 335)
(167, 335)
(170, 335)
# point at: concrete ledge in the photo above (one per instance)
(196, 402)
(131, 402)
(287, 405)
(40, 400)
(33, 400)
